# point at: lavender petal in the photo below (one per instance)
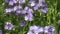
(0, 31)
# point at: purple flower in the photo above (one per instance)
(44, 4)
(31, 3)
(11, 3)
(44, 10)
(19, 7)
(23, 11)
(34, 27)
(26, 8)
(40, 1)
(15, 8)
(46, 29)
(40, 29)
(30, 11)
(36, 7)
(51, 28)
(21, 1)
(26, 18)
(0, 31)
(40, 4)
(29, 17)
(7, 10)
(8, 26)
(30, 32)
(18, 11)
(22, 23)
(15, 1)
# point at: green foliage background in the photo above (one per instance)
(41, 19)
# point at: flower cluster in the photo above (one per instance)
(36, 6)
(8, 26)
(37, 29)
(16, 6)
